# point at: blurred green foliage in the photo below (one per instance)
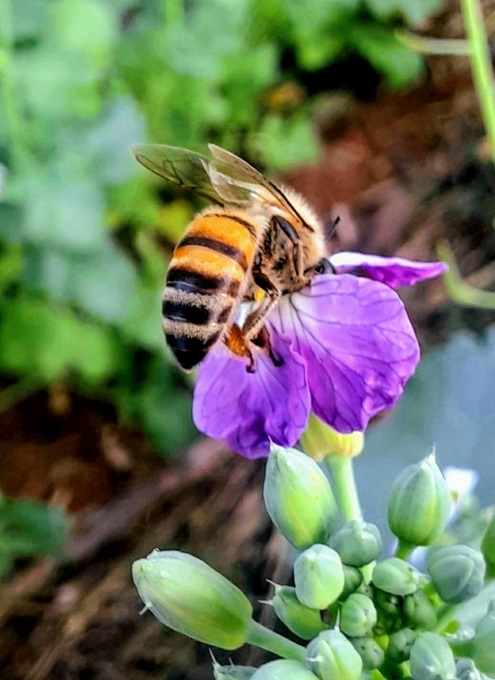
(83, 231)
(28, 528)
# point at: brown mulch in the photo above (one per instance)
(401, 173)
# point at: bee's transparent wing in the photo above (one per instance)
(232, 171)
(185, 168)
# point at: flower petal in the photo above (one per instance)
(392, 271)
(248, 410)
(358, 343)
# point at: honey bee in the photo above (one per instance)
(257, 240)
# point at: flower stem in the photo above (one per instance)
(479, 55)
(445, 616)
(259, 636)
(345, 486)
(404, 549)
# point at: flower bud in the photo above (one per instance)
(190, 597)
(483, 644)
(431, 658)
(298, 498)
(369, 650)
(419, 504)
(396, 576)
(319, 576)
(232, 672)
(353, 578)
(457, 572)
(419, 611)
(466, 670)
(319, 440)
(399, 645)
(284, 669)
(358, 543)
(387, 602)
(357, 615)
(488, 546)
(301, 620)
(332, 657)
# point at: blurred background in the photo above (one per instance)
(99, 459)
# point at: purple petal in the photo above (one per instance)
(358, 343)
(248, 410)
(392, 271)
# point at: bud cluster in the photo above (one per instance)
(352, 612)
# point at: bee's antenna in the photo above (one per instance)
(333, 226)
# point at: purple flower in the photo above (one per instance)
(346, 349)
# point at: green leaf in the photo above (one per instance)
(87, 27)
(64, 212)
(399, 65)
(30, 528)
(28, 17)
(283, 143)
(410, 11)
(46, 342)
(106, 145)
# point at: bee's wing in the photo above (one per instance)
(234, 172)
(186, 168)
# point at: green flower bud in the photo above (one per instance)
(190, 597)
(284, 669)
(466, 670)
(353, 578)
(431, 658)
(483, 644)
(357, 616)
(387, 602)
(396, 576)
(298, 498)
(365, 588)
(419, 504)
(358, 543)
(389, 611)
(319, 576)
(332, 657)
(232, 672)
(457, 572)
(488, 546)
(301, 620)
(369, 650)
(399, 645)
(419, 611)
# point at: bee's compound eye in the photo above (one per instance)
(324, 267)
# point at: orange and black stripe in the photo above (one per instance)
(203, 282)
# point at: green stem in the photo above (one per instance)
(259, 636)
(445, 46)
(445, 616)
(479, 56)
(345, 486)
(404, 549)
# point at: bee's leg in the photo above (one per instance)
(297, 252)
(256, 319)
(237, 343)
(263, 340)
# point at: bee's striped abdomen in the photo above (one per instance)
(203, 283)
